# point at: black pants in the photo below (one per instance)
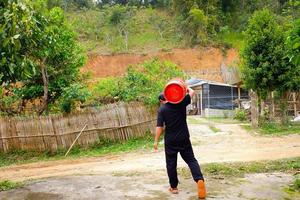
(187, 154)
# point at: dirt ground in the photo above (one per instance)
(141, 174)
(151, 186)
(187, 59)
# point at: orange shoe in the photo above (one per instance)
(173, 190)
(201, 189)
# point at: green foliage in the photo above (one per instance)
(229, 38)
(240, 169)
(296, 184)
(183, 7)
(141, 83)
(104, 37)
(293, 53)
(37, 43)
(240, 115)
(264, 67)
(197, 26)
(118, 13)
(107, 87)
(276, 129)
(8, 185)
(279, 129)
(293, 43)
(119, 29)
(72, 95)
(16, 31)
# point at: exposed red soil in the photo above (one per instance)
(208, 59)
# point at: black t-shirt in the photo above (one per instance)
(173, 116)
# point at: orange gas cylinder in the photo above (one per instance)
(175, 91)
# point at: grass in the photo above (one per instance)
(222, 120)
(276, 129)
(239, 169)
(294, 188)
(99, 149)
(192, 120)
(232, 38)
(296, 184)
(214, 129)
(8, 185)
(97, 35)
(205, 120)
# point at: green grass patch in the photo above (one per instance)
(294, 188)
(193, 120)
(275, 129)
(222, 120)
(231, 39)
(206, 120)
(8, 185)
(214, 129)
(101, 148)
(239, 169)
(296, 184)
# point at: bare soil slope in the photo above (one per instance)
(209, 59)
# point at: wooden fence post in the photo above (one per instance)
(295, 104)
(1, 139)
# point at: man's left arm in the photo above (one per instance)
(189, 96)
(191, 92)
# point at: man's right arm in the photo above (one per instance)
(159, 128)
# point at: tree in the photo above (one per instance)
(159, 24)
(293, 53)
(183, 7)
(263, 53)
(197, 26)
(16, 25)
(123, 19)
(38, 50)
(266, 67)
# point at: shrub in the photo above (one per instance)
(72, 95)
(141, 83)
(240, 114)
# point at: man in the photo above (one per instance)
(177, 139)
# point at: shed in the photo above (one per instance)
(215, 98)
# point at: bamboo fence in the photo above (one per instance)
(120, 121)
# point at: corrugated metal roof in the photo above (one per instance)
(193, 82)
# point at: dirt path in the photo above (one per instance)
(231, 144)
(153, 186)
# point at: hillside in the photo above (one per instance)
(206, 62)
(147, 30)
(150, 33)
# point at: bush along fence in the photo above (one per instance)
(114, 122)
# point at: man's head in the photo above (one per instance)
(162, 98)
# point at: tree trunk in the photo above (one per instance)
(126, 39)
(45, 86)
(254, 109)
(262, 108)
